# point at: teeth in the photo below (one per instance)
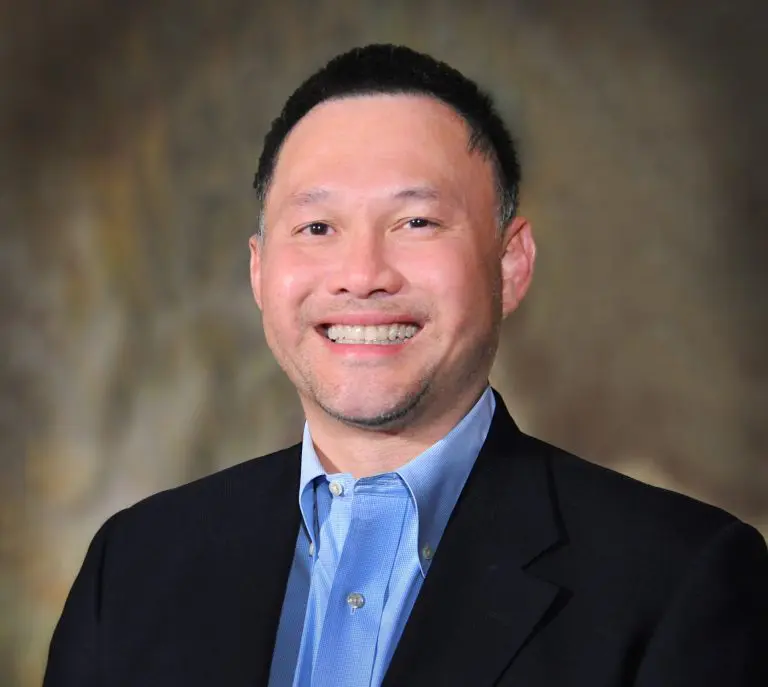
(381, 334)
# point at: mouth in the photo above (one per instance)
(380, 335)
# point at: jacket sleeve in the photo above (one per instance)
(714, 631)
(74, 656)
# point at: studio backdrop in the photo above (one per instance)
(131, 355)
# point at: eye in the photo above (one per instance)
(315, 229)
(420, 223)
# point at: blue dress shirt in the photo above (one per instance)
(362, 553)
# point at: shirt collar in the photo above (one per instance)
(310, 470)
(434, 478)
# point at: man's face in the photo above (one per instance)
(382, 277)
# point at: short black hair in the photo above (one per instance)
(394, 69)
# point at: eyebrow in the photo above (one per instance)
(309, 197)
(417, 193)
(317, 195)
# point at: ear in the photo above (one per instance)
(256, 245)
(517, 259)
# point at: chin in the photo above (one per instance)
(370, 413)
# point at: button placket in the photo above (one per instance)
(366, 565)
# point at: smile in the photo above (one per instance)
(378, 334)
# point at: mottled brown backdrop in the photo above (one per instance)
(131, 356)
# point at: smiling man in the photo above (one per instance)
(415, 536)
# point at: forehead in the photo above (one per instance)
(377, 142)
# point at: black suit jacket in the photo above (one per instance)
(552, 572)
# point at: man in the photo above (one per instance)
(415, 536)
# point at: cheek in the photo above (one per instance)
(286, 283)
(461, 284)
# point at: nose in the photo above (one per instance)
(366, 268)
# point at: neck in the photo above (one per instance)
(364, 452)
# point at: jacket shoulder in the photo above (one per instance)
(226, 496)
(601, 503)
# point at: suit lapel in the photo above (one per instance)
(479, 604)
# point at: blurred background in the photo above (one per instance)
(131, 355)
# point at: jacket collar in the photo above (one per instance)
(479, 603)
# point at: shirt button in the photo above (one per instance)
(427, 552)
(336, 488)
(311, 548)
(355, 601)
